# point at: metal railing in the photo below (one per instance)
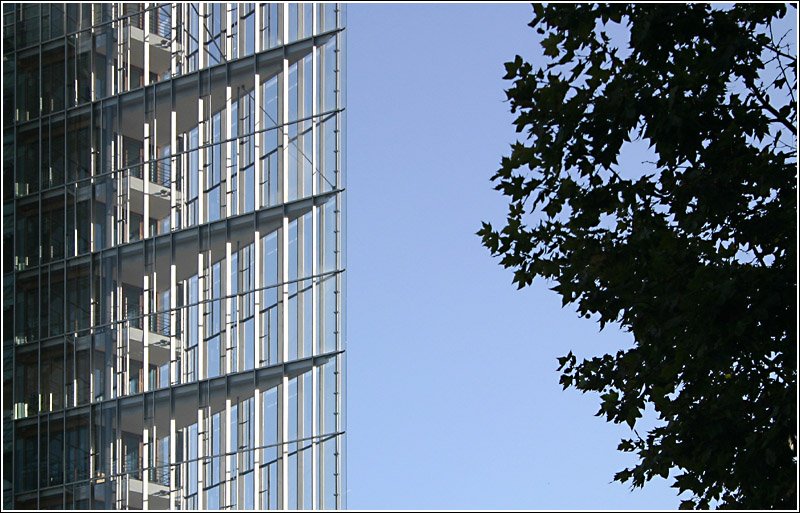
(161, 172)
(160, 324)
(159, 474)
(157, 322)
(134, 315)
(160, 22)
(132, 467)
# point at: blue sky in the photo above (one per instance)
(453, 395)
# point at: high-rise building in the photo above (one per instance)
(173, 261)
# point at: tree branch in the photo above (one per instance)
(765, 104)
(778, 55)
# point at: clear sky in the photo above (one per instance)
(453, 395)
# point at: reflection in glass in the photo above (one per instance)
(173, 255)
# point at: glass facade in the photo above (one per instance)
(173, 267)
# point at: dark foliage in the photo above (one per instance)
(694, 253)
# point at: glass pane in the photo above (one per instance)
(25, 462)
(53, 89)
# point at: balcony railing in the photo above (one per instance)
(160, 22)
(161, 172)
(160, 323)
(159, 475)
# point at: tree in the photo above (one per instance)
(694, 252)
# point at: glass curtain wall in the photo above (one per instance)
(173, 233)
